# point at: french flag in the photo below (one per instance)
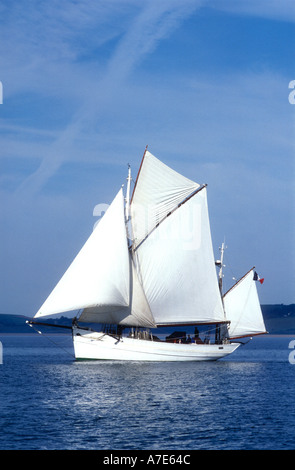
(257, 278)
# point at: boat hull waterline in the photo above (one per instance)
(101, 346)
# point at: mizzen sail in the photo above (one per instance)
(243, 309)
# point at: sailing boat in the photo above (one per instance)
(149, 264)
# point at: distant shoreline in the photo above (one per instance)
(279, 320)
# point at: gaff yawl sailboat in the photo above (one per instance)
(148, 264)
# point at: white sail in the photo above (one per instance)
(158, 190)
(165, 277)
(136, 314)
(242, 308)
(175, 262)
(99, 275)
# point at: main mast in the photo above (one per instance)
(127, 198)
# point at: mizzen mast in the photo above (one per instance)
(221, 266)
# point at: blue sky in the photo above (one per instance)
(88, 84)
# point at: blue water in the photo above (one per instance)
(49, 401)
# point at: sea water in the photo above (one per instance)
(50, 401)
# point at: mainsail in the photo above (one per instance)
(172, 246)
(242, 308)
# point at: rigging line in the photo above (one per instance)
(229, 266)
(138, 174)
(244, 306)
(169, 213)
(50, 340)
(242, 343)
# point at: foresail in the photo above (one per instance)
(242, 308)
(99, 275)
(176, 266)
(158, 190)
(136, 314)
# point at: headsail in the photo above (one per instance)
(137, 313)
(102, 280)
(243, 309)
(172, 247)
(99, 275)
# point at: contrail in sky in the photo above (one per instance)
(157, 20)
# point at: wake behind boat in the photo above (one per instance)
(149, 264)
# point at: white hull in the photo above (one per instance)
(90, 345)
